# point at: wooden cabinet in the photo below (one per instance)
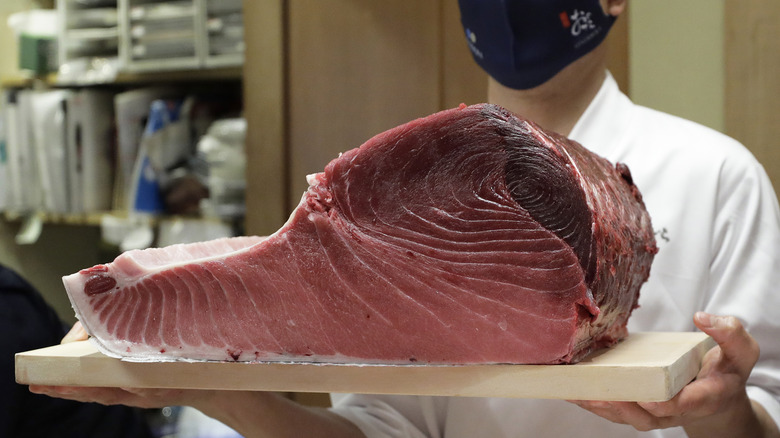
(752, 58)
(321, 77)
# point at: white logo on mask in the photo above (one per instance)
(580, 22)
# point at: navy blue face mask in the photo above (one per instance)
(524, 43)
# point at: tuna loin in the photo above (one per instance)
(468, 236)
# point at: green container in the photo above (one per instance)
(38, 54)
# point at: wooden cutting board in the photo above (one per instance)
(650, 366)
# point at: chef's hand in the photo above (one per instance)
(715, 404)
(251, 413)
(142, 398)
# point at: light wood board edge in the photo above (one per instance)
(630, 377)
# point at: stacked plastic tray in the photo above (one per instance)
(88, 30)
(159, 35)
(224, 33)
(181, 34)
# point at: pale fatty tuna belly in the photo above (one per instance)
(469, 236)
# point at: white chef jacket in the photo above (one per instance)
(717, 223)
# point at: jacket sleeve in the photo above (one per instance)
(27, 322)
(745, 269)
(391, 416)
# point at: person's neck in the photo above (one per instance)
(557, 104)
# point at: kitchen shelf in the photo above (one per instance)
(189, 76)
(83, 219)
(91, 219)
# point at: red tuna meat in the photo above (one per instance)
(469, 236)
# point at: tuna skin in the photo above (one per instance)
(469, 236)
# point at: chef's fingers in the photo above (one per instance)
(628, 413)
(739, 350)
(76, 333)
(720, 384)
(698, 399)
(104, 396)
(169, 397)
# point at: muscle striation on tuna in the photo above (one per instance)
(470, 236)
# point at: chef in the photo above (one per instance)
(718, 230)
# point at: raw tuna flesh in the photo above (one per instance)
(469, 236)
